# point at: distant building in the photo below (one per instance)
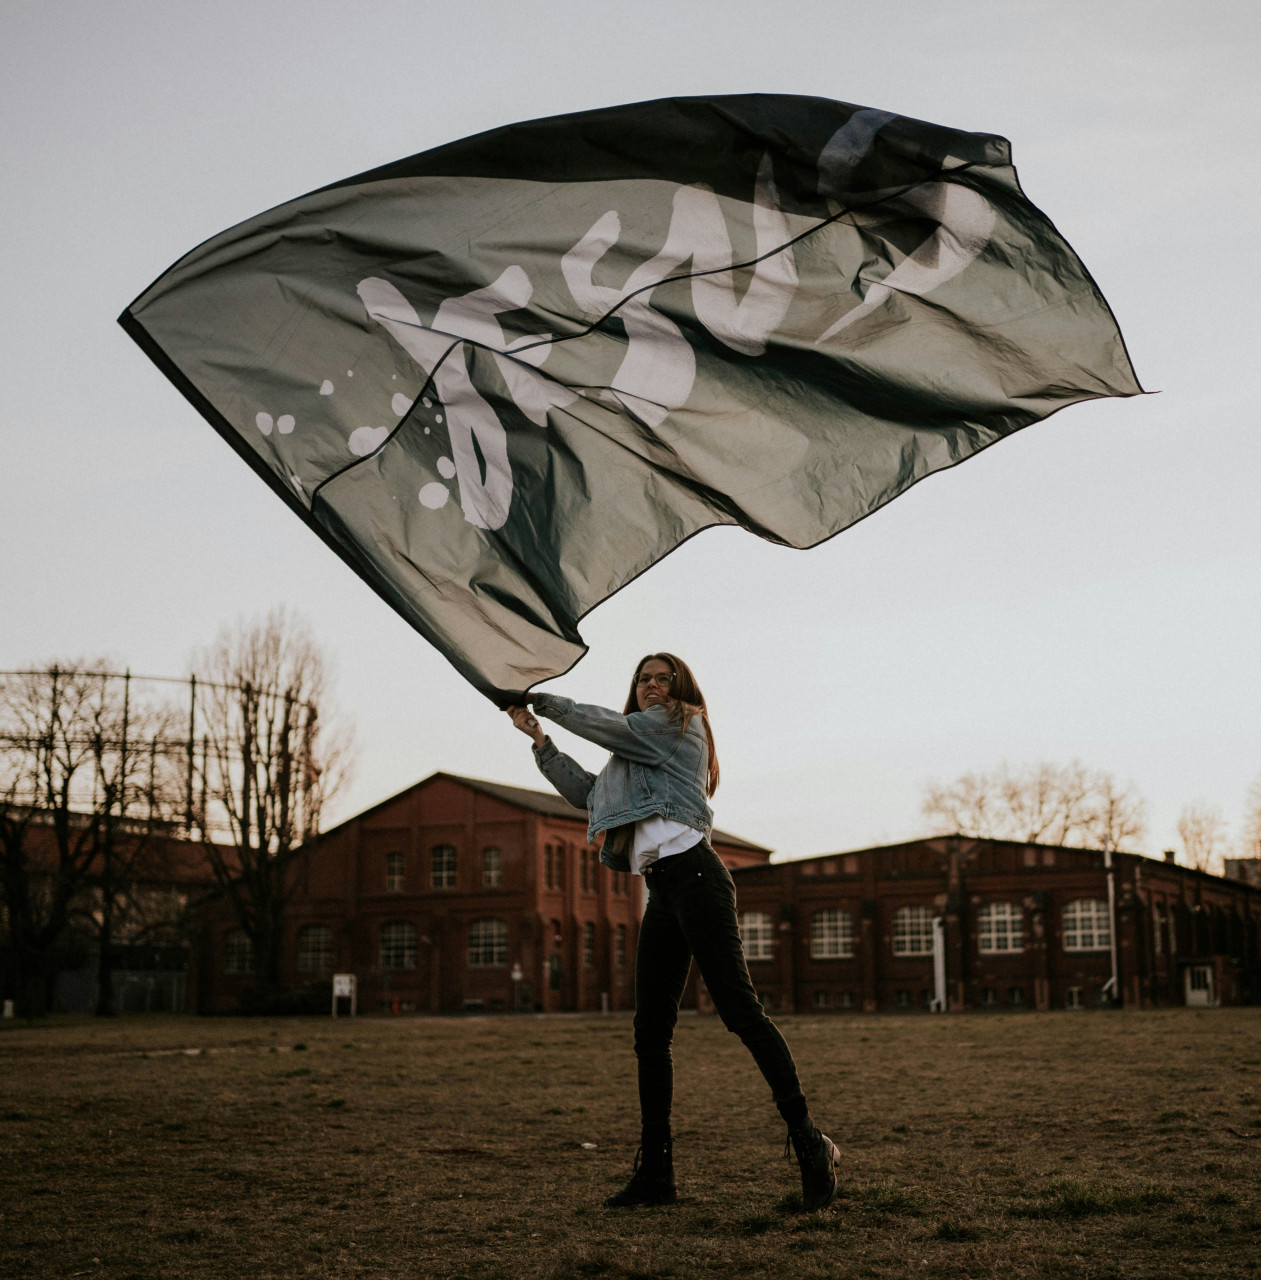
(1245, 870)
(456, 894)
(992, 924)
(156, 875)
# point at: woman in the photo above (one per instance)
(651, 803)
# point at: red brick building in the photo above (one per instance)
(456, 894)
(961, 923)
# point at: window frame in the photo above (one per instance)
(1000, 935)
(238, 952)
(304, 953)
(395, 871)
(487, 946)
(904, 935)
(492, 867)
(402, 939)
(757, 936)
(442, 875)
(821, 940)
(1074, 929)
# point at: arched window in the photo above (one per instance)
(492, 868)
(394, 869)
(487, 944)
(588, 944)
(549, 873)
(912, 931)
(315, 948)
(757, 932)
(398, 945)
(1086, 926)
(619, 945)
(831, 934)
(442, 866)
(238, 952)
(1000, 927)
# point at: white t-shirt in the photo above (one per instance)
(657, 838)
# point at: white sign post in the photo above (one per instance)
(343, 989)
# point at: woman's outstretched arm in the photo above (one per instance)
(570, 779)
(647, 737)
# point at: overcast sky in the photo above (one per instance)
(1089, 589)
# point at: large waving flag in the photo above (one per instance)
(504, 377)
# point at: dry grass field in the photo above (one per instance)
(1052, 1145)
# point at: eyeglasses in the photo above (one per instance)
(665, 679)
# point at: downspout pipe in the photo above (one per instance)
(1113, 987)
(939, 965)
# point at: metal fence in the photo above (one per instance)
(154, 750)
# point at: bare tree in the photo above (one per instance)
(1250, 835)
(79, 796)
(1117, 815)
(1044, 803)
(45, 853)
(1202, 830)
(273, 755)
(1047, 802)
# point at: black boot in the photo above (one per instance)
(818, 1157)
(652, 1178)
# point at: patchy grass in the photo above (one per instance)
(1047, 1146)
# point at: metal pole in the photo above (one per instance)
(153, 773)
(192, 749)
(122, 758)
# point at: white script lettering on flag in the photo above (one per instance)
(484, 499)
(659, 369)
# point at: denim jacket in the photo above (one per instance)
(653, 769)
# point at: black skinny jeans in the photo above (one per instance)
(691, 911)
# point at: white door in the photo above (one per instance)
(1199, 982)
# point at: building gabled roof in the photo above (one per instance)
(546, 803)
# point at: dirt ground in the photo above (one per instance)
(1076, 1145)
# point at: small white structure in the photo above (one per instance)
(344, 997)
(1199, 986)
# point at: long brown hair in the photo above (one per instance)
(686, 701)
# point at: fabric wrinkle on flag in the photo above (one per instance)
(504, 377)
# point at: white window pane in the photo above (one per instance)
(758, 935)
(912, 931)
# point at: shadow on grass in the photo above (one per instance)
(1067, 1198)
(954, 1230)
